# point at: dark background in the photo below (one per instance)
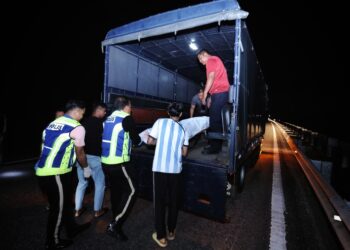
(52, 53)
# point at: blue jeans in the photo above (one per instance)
(99, 180)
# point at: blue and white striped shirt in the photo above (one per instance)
(170, 138)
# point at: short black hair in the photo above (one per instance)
(120, 102)
(73, 104)
(200, 52)
(96, 105)
(175, 109)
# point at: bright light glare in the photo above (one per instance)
(193, 46)
(12, 174)
(337, 218)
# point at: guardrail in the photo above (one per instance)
(334, 206)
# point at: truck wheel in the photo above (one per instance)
(239, 178)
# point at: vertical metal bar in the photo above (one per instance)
(137, 75)
(105, 84)
(175, 87)
(236, 84)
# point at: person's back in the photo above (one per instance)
(93, 138)
(171, 144)
(170, 137)
(63, 142)
(119, 135)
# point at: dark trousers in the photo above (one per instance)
(58, 189)
(165, 190)
(121, 178)
(218, 101)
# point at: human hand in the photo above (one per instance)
(87, 172)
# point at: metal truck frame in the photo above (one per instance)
(153, 61)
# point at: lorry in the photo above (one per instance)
(153, 61)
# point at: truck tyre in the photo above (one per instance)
(239, 178)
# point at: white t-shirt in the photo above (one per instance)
(170, 137)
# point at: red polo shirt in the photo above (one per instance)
(220, 84)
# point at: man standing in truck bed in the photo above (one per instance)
(217, 85)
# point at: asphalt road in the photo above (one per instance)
(23, 216)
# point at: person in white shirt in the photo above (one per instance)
(171, 142)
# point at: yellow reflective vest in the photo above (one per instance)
(58, 152)
(116, 143)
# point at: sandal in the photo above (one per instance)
(161, 242)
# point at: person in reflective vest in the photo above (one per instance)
(119, 134)
(63, 142)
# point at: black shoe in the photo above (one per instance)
(116, 233)
(78, 229)
(61, 244)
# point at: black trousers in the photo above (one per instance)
(218, 101)
(58, 189)
(165, 192)
(121, 179)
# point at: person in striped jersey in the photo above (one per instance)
(171, 142)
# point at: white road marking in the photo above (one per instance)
(278, 228)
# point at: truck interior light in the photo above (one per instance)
(193, 46)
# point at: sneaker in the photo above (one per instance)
(162, 242)
(171, 236)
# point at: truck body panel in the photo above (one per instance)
(153, 62)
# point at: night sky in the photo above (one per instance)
(55, 49)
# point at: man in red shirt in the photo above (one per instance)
(217, 85)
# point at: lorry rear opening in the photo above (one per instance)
(153, 61)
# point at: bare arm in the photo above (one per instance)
(184, 150)
(192, 110)
(209, 102)
(209, 83)
(151, 140)
(81, 156)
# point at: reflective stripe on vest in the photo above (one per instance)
(58, 153)
(116, 144)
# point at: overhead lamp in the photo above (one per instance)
(193, 45)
